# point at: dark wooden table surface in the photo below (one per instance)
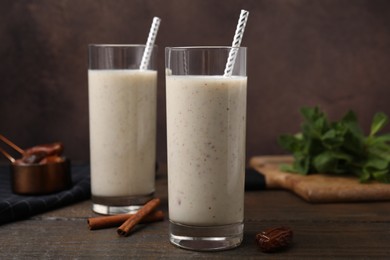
(343, 230)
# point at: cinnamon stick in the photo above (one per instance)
(132, 221)
(117, 220)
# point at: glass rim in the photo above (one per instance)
(181, 48)
(118, 45)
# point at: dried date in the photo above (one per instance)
(274, 239)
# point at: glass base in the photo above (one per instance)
(114, 210)
(213, 238)
(119, 205)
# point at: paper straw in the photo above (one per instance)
(149, 43)
(236, 43)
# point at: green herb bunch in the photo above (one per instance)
(339, 147)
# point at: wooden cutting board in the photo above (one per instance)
(317, 188)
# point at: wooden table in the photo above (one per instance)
(359, 230)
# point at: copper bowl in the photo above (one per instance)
(38, 179)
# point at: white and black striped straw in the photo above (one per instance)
(236, 43)
(149, 43)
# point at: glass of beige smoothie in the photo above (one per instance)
(122, 117)
(206, 123)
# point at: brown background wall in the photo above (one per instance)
(334, 54)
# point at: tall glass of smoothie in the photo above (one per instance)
(122, 117)
(206, 123)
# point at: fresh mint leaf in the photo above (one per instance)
(339, 147)
(382, 176)
(379, 121)
(325, 162)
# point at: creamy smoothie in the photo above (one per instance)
(206, 149)
(122, 105)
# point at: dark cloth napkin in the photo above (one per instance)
(16, 207)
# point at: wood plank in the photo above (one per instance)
(283, 205)
(332, 230)
(71, 239)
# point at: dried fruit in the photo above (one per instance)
(274, 239)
